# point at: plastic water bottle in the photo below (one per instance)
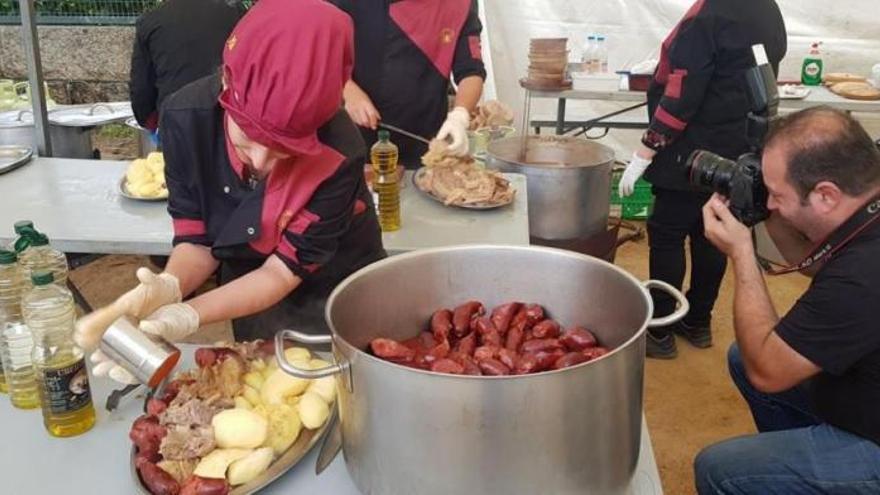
(589, 56)
(384, 155)
(59, 365)
(602, 54)
(16, 342)
(35, 254)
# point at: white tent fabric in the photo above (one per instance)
(634, 29)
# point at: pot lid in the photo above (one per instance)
(133, 123)
(91, 115)
(16, 118)
(550, 152)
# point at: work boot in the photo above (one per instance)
(699, 336)
(661, 347)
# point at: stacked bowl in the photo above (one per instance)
(548, 58)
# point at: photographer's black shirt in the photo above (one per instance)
(835, 325)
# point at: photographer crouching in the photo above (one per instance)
(812, 377)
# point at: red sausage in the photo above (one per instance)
(578, 339)
(156, 407)
(467, 344)
(461, 318)
(147, 434)
(173, 388)
(441, 323)
(534, 313)
(541, 345)
(391, 349)
(493, 367)
(570, 359)
(546, 359)
(440, 351)
(514, 339)
(471, 368)
(208, 356)
(428, 341)
(547, 329)
(527, 363)
(158, 481)
(197, 485)
(489, 335)
(447, 366)
(508, 357)
(594, 352)
(486, 352)
(502, 316)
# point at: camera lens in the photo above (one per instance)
(710, 171)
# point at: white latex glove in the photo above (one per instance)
(104, 366)
(152, 293)
(455, 128)
(173, 322)
(634, 171)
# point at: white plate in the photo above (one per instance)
(793, 92)
(123, 190)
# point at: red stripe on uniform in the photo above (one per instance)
(433, 26)
(286, 249)
(476, 47)
(665, 67)
(669, 120)
(184, 227)
(359, 207)
(675, 84)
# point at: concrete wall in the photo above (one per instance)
(81, 64)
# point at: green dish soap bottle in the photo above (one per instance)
(811, 71)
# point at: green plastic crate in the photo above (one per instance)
(637, 206)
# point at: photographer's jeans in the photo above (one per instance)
(795, 453)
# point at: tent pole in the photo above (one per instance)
(35, 75)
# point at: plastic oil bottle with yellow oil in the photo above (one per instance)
(16, 342)
(386, 181)
(59, 365)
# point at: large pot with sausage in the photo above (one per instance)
(405, 430)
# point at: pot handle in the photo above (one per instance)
(678, 314)
(303, 338)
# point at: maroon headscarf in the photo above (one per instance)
(285, 65)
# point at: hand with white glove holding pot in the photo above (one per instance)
(638, 164)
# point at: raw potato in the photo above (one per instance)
(145, 177)
(324, 387)
(280, 385)
(284, 428)
(297, 354)
(254, 379)
(248, 468)
(242, 403)
(239, 428)
(252, 396)
(313, 411)
(214, 465)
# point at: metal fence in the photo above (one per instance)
(81, 12)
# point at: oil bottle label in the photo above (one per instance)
(67, 389)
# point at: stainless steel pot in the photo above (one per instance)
(568, 179)
(67, 142)
(146, 144)
(407, 431)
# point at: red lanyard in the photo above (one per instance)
(856, 224)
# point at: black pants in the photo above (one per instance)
(678, 216)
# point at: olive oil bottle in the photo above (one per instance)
(59, 365)
(386, 182)
(16, 343)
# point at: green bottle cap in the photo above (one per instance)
(42, 278)
(39, 240)
(384, 135)
(23, 225)
(7, 257)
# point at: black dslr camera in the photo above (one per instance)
(741, 180)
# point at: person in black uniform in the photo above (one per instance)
(175, 44)
(265, 175)
(405, 52)
(697, 100)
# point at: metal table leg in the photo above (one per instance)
(560, 117)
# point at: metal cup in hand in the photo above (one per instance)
(148, 357)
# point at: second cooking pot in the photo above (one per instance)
(407, 431)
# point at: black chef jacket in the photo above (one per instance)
(834, 325)
(697, 99)
(405, 51)
(175, 44)
(318, 218)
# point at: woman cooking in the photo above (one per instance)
(265, 174)
(406, 51)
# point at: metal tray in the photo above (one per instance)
(123, 190)
(14, 156)
(471, 206)
(303, 445)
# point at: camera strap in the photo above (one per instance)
(854, 225)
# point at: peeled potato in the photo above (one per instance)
(252, 395)
(262, 412)
(148, 189)
(239, 428)
(325, 388)
(248, 468)
(138, 171)
(297, 354)
(280, 385)
(254, 379)
(257, 365)
(313, 411)
(214, 464)
(318, 363)
(284, 428)
(242, 403)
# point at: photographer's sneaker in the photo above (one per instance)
(699, 336)
(662, 347)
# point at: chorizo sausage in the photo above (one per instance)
(391, 349)
(489, 335)
(547, 329)
(209, 356)
(441, 324)
(508, 357)
(196, 485)
(527, 363)
(146, 434)
(541, 345)
(156, 406)
(534, 314)
(157, 480)
(594, 352)
(486, 352)
(493, 367)
(578, 339)
(546, 359)
(502, 316)
(439, 351)
(467, 344)
(570, 359)
(461, 317)
(446, 365)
